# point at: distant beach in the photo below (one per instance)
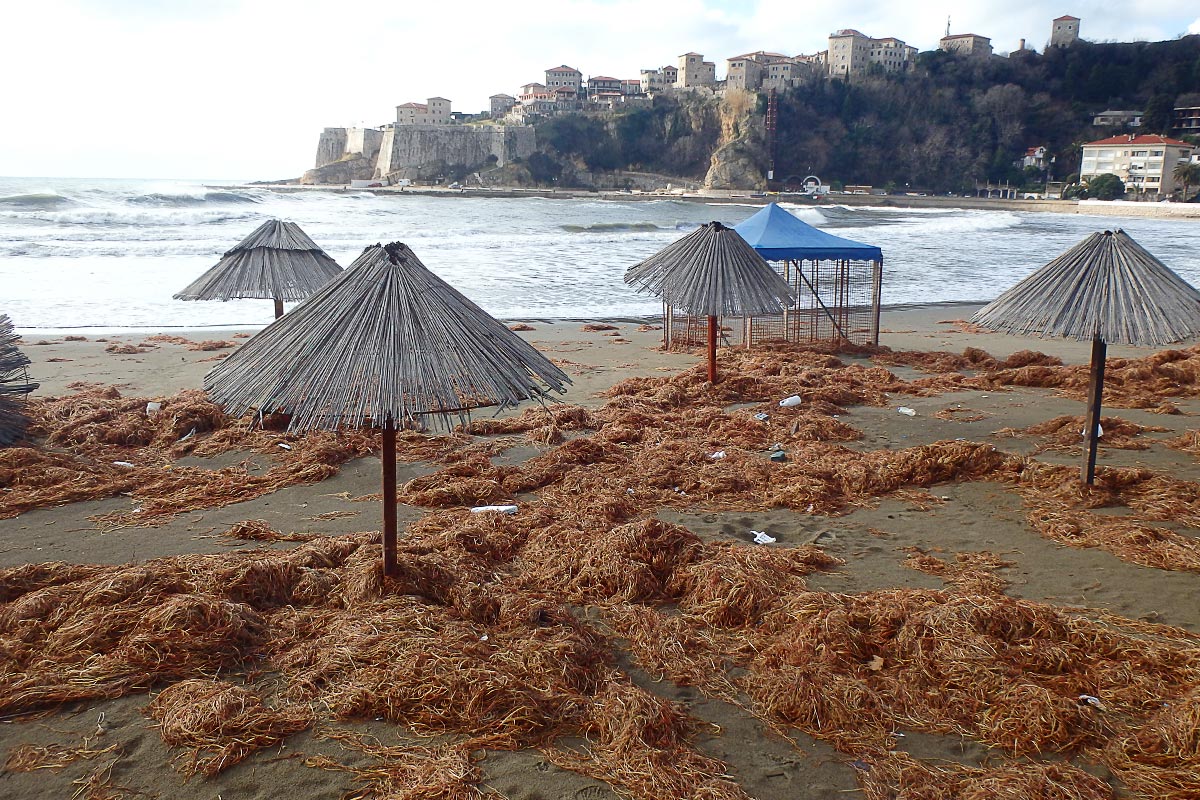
(1116, 208)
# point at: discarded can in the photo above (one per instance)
(791, 402)
(501, 509)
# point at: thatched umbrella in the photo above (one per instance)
(278, 262)
(14, 381)
(1107, 288)
(712, 272)
(387, 344)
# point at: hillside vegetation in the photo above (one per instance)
(948, 124)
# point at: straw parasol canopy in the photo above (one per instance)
(387, 344)
(277, 262)
(712, 272)
(14, 382)
(1107, 288)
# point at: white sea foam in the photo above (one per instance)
(116, 254)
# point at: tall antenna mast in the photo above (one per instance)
(772, 122)
(947, 24)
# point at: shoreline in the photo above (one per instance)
(1101, 208)
(155, 367)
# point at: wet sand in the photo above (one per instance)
(873, 541)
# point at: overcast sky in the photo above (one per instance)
(240, 89)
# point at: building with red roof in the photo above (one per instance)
(1064, 31)
(1144, 162)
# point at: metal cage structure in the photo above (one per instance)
(831, 299)
(683, 331)
(834, 284)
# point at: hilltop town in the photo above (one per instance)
(430, 142)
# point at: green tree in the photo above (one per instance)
(543, 168)
(1105, 187)
(1188, 175)
(1157, 116)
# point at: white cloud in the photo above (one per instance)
(242, 88)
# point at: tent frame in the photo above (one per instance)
(838, 311)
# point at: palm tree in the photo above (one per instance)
(1187, 174)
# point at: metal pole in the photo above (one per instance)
(712, 349)
(1092, 419)
(278, 308)
(390, 565)
(876, 291)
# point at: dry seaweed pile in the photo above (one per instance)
(221, 723)
(1065, 434)
(1128, 382)
(467, 643)
(447, 648)
(98, 444)
(1060, 508)
(481, 639)
(445, 772)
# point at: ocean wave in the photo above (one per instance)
(964, 222)
(151, 217)
(184, 200)
(36, 200)
(813, 216)
(612, 227)
(897, 209)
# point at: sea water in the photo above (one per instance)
(106, 255)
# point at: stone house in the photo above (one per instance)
(501, 104)
(967, 44)
(695, 72)
(435, 111)
(564, 76)
(851, 52)
(658, 80)
(1064, 31)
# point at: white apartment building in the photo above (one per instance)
(694, 71)
(1145, 163)
(434, 111)
(851, 52)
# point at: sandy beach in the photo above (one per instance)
(938, 604)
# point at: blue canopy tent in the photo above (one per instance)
(835, 282)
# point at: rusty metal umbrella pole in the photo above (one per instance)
(384, 345)
(1092, 418)
(390, 561)
(711, 272)
(712, 349)
(1107, 289)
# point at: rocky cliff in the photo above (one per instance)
(416, 151)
